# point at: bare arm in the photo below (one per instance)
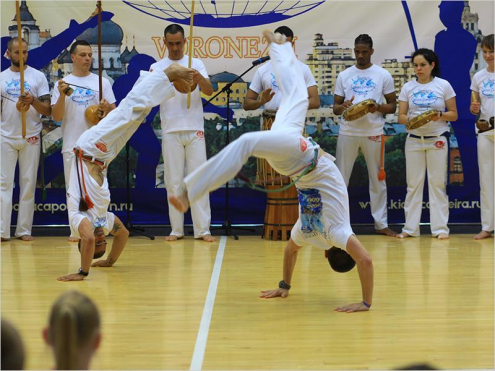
(41, 104)
(58, 109)
(451, 114)
(251, 102)
(403, 109)
(86, 232)
(388, 107)
(205, 86)
(290, 258)
(121, 235)
(365, 269)
(339, 105)
(314, 99)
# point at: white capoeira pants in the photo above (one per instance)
(426, 155)
(323, 220)
(184, 152)
(68, 158)
(347, 152)
(27, 153)
(485, 163)
(326, 207)
(105, 140)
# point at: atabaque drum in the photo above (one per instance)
(282, 207)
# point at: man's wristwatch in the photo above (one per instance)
(82, 273)
(283, 285)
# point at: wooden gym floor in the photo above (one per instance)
(194, 305)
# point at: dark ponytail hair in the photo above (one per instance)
(430, 57)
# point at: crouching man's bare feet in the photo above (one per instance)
(386, 231)
(208, 238)
(276, 38)
(173, 237)
(27, 237)
(482, 235)
(180, 202)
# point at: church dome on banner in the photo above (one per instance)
(111, 34)
(225, 14)
(224, 77)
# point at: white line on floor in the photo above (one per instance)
(204, 327)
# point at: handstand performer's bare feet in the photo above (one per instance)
(73, 239)
(27, 237)
(402, 235)
(208, 238)
(276, 38)
(386, 231)
(482, 235)
(180, 202)
(173, 237)
(443, 236)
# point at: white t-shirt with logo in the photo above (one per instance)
(425, 97)
(11, 122)
(74, 122)
(484, 84)
(264, 78)
(174, 114)
(371, 83)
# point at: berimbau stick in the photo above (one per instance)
(191, 48)
(21, 62)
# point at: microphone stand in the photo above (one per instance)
(227, 224)
(128, 224)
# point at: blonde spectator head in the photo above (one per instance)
(73, 331)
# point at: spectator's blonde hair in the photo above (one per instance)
(74, 323)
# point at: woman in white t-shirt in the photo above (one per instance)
(427, 147)
(483, 106)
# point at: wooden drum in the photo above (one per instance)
(282, 207)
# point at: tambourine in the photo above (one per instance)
(358, 110)
(422, 120)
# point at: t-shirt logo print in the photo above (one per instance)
(488, 87)
(83, 97)
(311, 207)
(362, 85)
(32, 140)
(102, 146)
(303, 144)
(274, 82)
(424, 98)
(439, 144)
(13, 87)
